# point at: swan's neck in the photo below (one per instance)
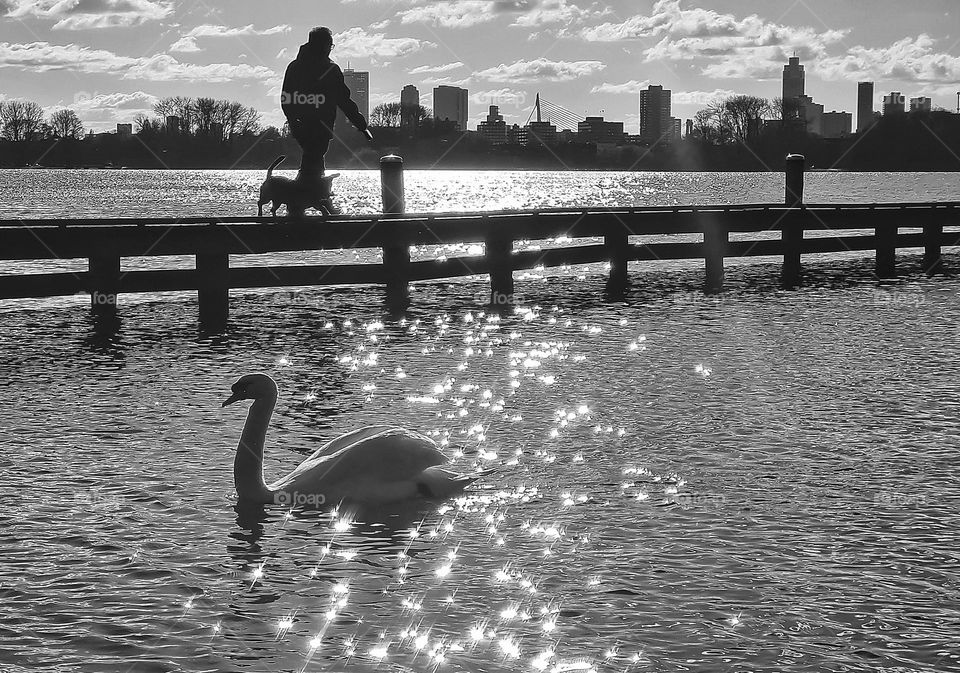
(248, 465)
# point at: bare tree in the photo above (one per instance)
(21, 120)
(66, 124)
(387, 115)
(744, 115)
(181, 107)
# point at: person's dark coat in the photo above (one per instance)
(313, 89)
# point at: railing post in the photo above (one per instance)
(396, 257)
(885, 237)
(213, 289)
(618, 245)
(104, 284)
(499, 249)
(792, 229)
(932, 238)
(715, 240)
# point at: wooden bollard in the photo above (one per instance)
(617, 244)
(499, 249)
(885, 237)
(104, 284)
(715, 240)
(213, 289)
(932, 240)
(792, 228)
(396, 257)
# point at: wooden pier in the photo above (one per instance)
(103, 242)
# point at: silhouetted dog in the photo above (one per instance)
(296, 196)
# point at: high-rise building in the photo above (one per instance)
(894, 104)
(811, 114)
(359, 84)
(655, 124)
(409, 106)
(793, 79)
(493, 129)
(921, 104)
(835, 124)
(864, 106)
(450, 103)
(538, 133)
(597, 130)
(689, 128)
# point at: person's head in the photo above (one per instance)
(321, 39)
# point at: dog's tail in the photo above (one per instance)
(276, 162)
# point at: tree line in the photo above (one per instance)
(25, 120)
(201, 117)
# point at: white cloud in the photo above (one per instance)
(500, 97)
(631, 87)
(736, 47)
(540, 70)
(907, 60)
(551, 12)
(87, 14)
(43, 57)
(358, 43)
(450, 14)
(188, 41)
(435, 68)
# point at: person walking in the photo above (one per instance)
(313, 90)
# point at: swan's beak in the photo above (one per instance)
(230, 400)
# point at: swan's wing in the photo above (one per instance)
(376, 454)
(349, 438)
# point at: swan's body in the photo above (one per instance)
(374, 465)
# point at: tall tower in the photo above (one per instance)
(359, 84)
(864, 106)
(450, 104)
(655, 124)
(793, 79)
(409, 106)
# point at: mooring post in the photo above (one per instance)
(396, 255)
(715, 240)
(213, 289)
(104, 283)
(885, 237)
(792, 229)
(932, 239)
(617, 244)
(499, 249)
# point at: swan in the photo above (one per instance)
(375, 465)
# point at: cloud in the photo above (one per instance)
(358, 43)
(631, 87)
(540, 70)
(43, 57)
(435, 68)
(551, 12)
(188, 41)
(907, 60)
(88, 14)
(451, 14)
(736, 47)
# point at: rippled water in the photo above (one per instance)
(760, 481)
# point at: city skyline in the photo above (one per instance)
(110, 63)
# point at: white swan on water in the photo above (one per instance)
(379, 464)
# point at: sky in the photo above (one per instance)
(110, 60)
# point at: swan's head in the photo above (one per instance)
(251, 387)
